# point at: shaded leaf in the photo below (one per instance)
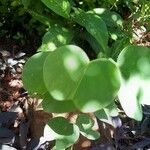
(65, 133)
(51, 105)
(40, 17)
(85, 124)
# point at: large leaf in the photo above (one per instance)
(60, 7)
(85, 124)
(134, 62)
(55, 37)
(65, 133)
(94, 25)
(63, 70)
(33, 73)
(102, 82)
(51, 105)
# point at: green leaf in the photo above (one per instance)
(102, 82)
(112, 19)
(85, 124)
(65, 133)
(33, 73)
(40, 17)
(107, 113)
(56, 36)
(53, 106)
(94, 25)
(60, 7)
(25, 3)
(134, 62)
(63, 70)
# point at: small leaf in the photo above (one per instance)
(94, 25)
(61, 7)
(102, 82)
(65, 133)
(33, 73)
(85, 124)
(63, 70)
(54, 106)
(109, 115)
(56, 36)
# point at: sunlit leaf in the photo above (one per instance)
(63, 70)
(55, 37)
(94, 25)
(102, 82)
(134, 62)
(112, 19)
(33, 73)
(60, 7)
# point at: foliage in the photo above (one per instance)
(64, 74)
(16, 24)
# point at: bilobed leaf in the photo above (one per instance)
(64, 132)
(63, 70)
(51, 105)
(94, 25)
(134, 62)
(85, 124)
(102, 82)
(56, 36)
(60, 7)
(33, 73)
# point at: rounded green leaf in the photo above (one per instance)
(85, 124)
(98, 87)
(55, 37)
(33, 73)
(60, 7)
(53, 106)
(134, 62)
(63, 70)
(65, 133)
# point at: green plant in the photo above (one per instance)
(69, 80)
